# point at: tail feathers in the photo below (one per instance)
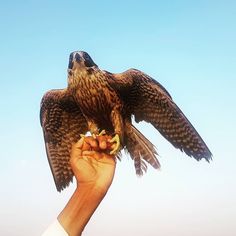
(141, 150)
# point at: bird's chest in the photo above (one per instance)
(95, 98)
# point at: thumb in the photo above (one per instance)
(76, 149)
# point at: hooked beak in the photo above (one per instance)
(74, 56)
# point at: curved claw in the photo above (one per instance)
(116, 141)
(103, 132)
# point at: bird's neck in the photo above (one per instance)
(78, 77)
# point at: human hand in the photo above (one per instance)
(91, 163)
(94, 170)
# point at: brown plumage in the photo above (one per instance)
(95, 100)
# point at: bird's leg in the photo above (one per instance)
(118, 139)
(93, 128)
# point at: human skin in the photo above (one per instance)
(94, 170)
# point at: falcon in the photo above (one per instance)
(98, 101)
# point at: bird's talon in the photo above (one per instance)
(116, 145)
(103, 132)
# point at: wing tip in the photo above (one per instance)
(63, 185)
(199, 156)
(208, 157)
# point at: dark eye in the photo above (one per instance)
(70, 61)
(89, 63)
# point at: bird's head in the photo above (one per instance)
(80, 60)
(80, 66)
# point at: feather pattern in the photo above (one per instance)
(149, 101)
(62, 123)
(141, 150)
(96, 100)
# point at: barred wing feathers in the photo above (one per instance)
(62, 123)
(149, 101)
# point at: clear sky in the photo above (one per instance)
(188, 46)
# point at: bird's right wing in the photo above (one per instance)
(62, 123)
(149, 101)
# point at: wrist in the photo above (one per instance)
(81, 206)
(97, 186)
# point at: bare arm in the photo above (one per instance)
(94, 171)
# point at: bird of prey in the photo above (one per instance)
(97, 100)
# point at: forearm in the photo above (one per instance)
(81, 207)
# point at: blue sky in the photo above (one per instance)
(188, 46)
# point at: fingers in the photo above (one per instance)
(104, 143)
(91, 157)
(98, 156)
(79, 144)
(92, 154)
(89, 140)
(84, 144)
(97, 144)
(90, 143)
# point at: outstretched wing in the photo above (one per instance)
(148, 100)
(62, 123)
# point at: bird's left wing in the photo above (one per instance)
(62, 123)
(148, 100)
